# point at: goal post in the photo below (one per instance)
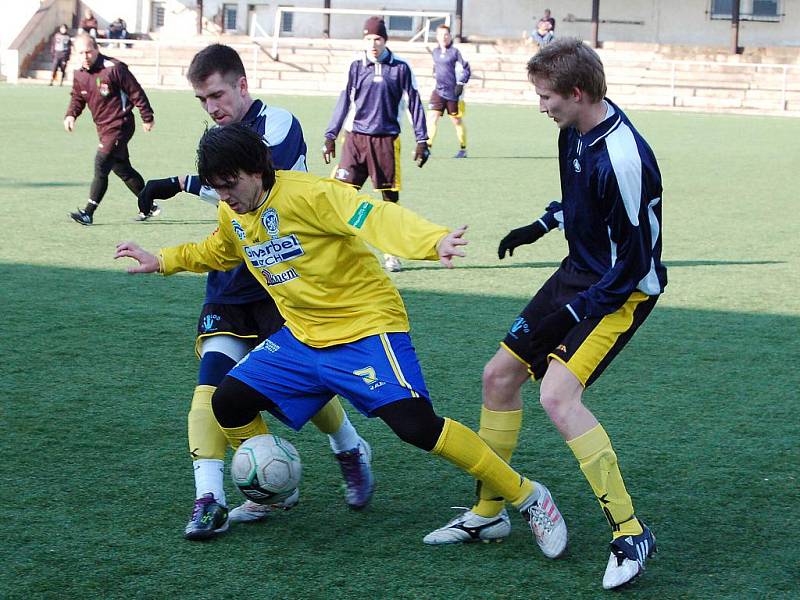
(426, 16)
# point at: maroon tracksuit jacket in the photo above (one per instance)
(111, 91)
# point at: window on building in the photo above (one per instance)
(229, 17)
(287, 21)
(749, 10)
(400, 24)
(435, 23)
(157, 12)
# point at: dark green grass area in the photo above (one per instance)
(98, 370)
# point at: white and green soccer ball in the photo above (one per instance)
(266, 469)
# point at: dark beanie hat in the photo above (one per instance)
(375, 26)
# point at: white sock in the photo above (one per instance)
(209, 475)
(346, 438)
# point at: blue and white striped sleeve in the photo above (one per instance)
(284, 136)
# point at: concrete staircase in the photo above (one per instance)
(639, 75)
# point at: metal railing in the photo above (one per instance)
(423, 32)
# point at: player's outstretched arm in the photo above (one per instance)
(449, 246)
(148, 263)
(519, 237)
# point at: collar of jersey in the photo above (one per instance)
(602, 129)
(253, 112)
(387, 59)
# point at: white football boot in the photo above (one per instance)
(469, 527)
(628, 556)
(250, 512)
(545, 520)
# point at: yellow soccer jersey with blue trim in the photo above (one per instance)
(306, 245)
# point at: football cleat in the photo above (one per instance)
(357, 473)
(250, 512)
(461, 153)
(546, 523)
(209, 518)
(154, 212)
(392, 263)
(81, 216)
(628, 556)
(469, 527)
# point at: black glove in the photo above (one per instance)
(328, 150)
(160, 189)
(518, 237)
(552, 329)
(422, 154)
(459, 90)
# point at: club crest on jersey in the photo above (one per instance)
(238, 229)
(270, 221)
(576, 165)
(103, 87)
(274, 251)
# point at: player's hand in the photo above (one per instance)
(552, 329)
(160, 189)
(148, 263)
(69, 124)
(449, 246)
(148, 125)
(459, 89)
(518, 237)
(328, 150)
(422, 154)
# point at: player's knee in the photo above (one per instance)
(557, 404)
(501, 381)
(102, 165)
(414, 421)
(235, 403)
(213, 368)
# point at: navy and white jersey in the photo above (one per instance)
(611, 210)
(449, 69)
(376, 89)
(282, 133)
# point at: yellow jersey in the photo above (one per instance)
(305, 244)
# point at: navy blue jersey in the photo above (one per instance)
(611, 211)
(282, 133)
(376, 89)
(449, 69)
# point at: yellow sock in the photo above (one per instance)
(236, 435)
(433, 125)
(465, 449)
(598, 462)
(461, 132)
(330, 417)
(499, 429)
(206, 439)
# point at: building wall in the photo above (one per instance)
(650, 21)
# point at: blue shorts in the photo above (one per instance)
(299, 380)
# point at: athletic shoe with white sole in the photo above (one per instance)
(154, 212)
(209, 519)
(469, 527)
(250, 512)
(546, 523)
(81, 216)
(357, 473)
(628, 556)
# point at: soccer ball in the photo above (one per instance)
(266, 469)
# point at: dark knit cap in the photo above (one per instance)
(375, 26)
